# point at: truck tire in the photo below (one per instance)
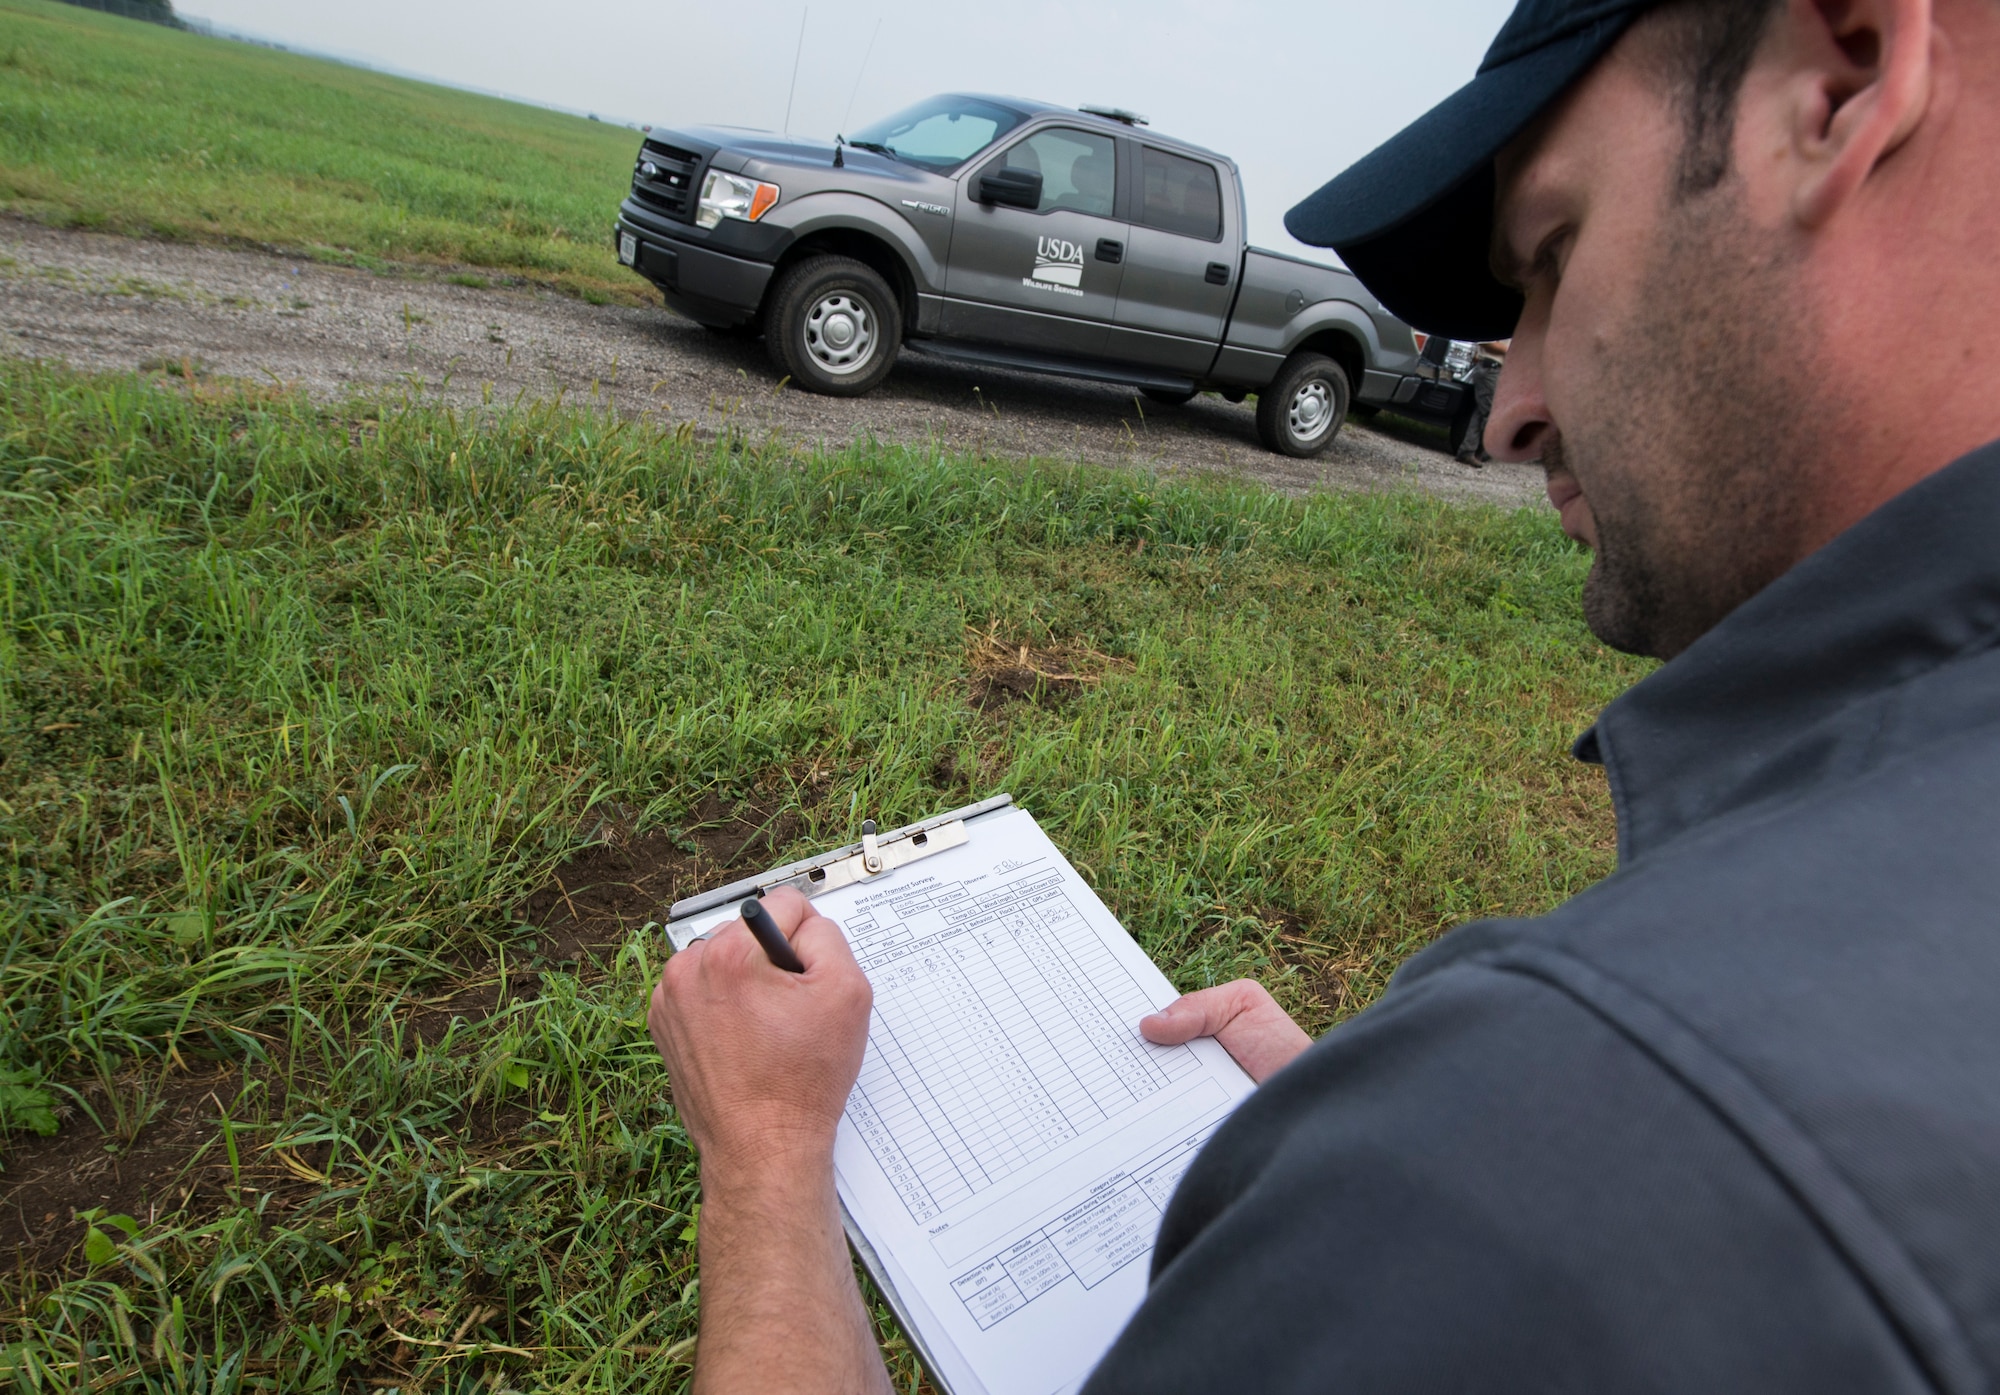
(833, 326)
(1300, 412)
(1166, 398)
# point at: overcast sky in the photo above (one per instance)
(1294, 90)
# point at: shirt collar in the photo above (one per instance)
(1911, 586)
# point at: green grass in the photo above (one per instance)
(129, 127)
(297, 704)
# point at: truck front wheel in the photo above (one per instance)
(833, 325)
(1300, 413)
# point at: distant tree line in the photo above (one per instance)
(152, 11)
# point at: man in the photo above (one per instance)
(1488, 360)
(1731, 1119)
(1481, 373)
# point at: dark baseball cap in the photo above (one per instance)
(1414, 220)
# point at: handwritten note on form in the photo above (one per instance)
(1013, 1140)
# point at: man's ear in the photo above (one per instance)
(1862, 87)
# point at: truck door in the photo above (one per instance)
(1044, 278)
(1181, 265)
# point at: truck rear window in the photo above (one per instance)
(1181, 195)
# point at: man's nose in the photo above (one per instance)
(1520, 423)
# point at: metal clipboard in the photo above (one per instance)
(876, 855)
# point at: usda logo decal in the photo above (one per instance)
(1058, 266)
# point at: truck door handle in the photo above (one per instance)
(1109, 249)
(1218, 273)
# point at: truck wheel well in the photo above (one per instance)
(1342, 349)
(871, 252)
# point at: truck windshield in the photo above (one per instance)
(939, 134)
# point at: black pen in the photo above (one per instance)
(776, 947)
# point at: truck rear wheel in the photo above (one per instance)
(833, 325)
(1300, 412)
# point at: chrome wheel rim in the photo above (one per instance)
(840, 333)
(1311, 413)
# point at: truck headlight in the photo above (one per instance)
(733, 196)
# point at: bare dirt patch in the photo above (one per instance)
(476, 987)
(49, 1180)
(596, 899)
(111, 303)
(1007, 671)
(1330, 984)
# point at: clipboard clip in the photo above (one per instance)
(875, 855)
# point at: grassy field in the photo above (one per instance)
(345, 755)
(115, 124)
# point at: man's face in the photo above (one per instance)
(1663, 364)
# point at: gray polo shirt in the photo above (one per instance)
(1728, 1121)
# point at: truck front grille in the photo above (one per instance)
(669, 187)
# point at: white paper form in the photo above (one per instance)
(1012, 1140)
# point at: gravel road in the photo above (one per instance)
(103, 302)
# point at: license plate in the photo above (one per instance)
(628, 249)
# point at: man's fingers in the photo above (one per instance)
(789, 907)
(819, 941)
(660, 1020)
(729, 947)
(1202, 1014)
(656, 1014)
(680, 966)
(813, 936)
(732, 949)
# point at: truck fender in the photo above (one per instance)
(818, 219)
(1344, 332)
(1333, 317)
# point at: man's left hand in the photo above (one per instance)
(1258, 1034)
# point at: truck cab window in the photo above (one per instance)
(1079, 169)
(1181, 195)
(940, 134)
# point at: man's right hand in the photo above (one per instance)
(762, 1060)
(1252, 1028)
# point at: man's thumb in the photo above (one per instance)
(1203, 1013)
(1177, 1022)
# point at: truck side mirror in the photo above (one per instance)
(1010, 188)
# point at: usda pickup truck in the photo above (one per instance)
(1010, 233)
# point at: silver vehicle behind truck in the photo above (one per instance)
(1011, 233)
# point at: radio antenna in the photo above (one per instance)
(796, 54)
(861, 73)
